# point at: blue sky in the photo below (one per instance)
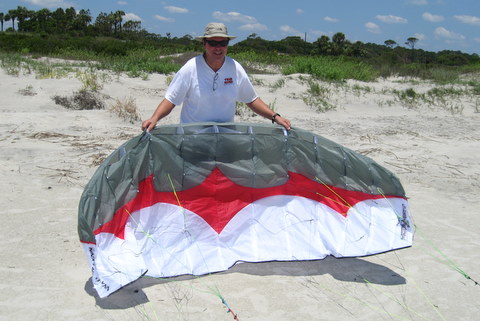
(438, 24)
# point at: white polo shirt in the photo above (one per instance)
(210, 96)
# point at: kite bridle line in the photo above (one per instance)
(212, 290)
(216, 291)
(447, 261)
(403, 305)
(402, 219)
(433, 306)
(344, 202)
(358, 300)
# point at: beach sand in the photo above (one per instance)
(48, 154)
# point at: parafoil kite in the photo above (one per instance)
(198, 198)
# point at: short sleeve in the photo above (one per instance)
(245, 92)
(180, 85)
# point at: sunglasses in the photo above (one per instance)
(214, 43)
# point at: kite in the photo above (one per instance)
(198, 198)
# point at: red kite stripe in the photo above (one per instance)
(217, 200)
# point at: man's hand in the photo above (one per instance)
(283, 121)
(163, 109)
(149, 124)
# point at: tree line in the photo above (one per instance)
(69, 22)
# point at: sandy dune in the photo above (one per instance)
(48, 153)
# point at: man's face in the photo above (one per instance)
(216, 47)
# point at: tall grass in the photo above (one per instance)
(318, 96)
(265, 58)
(16, 64)
(136, 63)
(439, 74)
(446, 97)
(140, 61)
(331, 68)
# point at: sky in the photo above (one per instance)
(437, 24)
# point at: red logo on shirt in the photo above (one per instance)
(228, 81)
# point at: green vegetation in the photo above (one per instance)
(331, 68)
(447, 97)
(86, 45)
(123, 46)
(318, 96)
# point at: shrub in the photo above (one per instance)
(80, 100)
(126, 109)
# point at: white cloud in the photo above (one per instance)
(131, 16)
(233, 17)
(50, 3)
(471, 20)
(173, 9)
(427, 16)
(122, 3)
(418, 2)
(253, 27)
(299, 11)
(286, 29)
(419, 36)
(316, 33)
(164, 19)
(391, 19)
(441, 32)
(330, 19)
(476, 39)
(373, 27)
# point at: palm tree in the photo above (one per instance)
(22, 13)
(82, 20)
(59, 20)
(103, 23)
(12, 15)
(339, 41)
(117, 16)
(42, 17)
(2, 19)
(324, 45)
(70, 15)
(132, 26)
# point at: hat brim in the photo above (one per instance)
(214, 36)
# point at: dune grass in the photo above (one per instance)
(331, 68)
(451, 83)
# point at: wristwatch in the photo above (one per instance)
(273, 117)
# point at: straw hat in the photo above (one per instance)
(215, 29)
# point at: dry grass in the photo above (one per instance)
(126, 109)
(27, 91)
(81, 100)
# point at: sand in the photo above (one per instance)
(48, 154)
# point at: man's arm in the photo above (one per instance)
(261, 108)
(163, 109)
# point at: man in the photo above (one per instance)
(209, 86)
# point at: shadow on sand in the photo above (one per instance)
(344, 269)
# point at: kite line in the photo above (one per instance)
(447, 261)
